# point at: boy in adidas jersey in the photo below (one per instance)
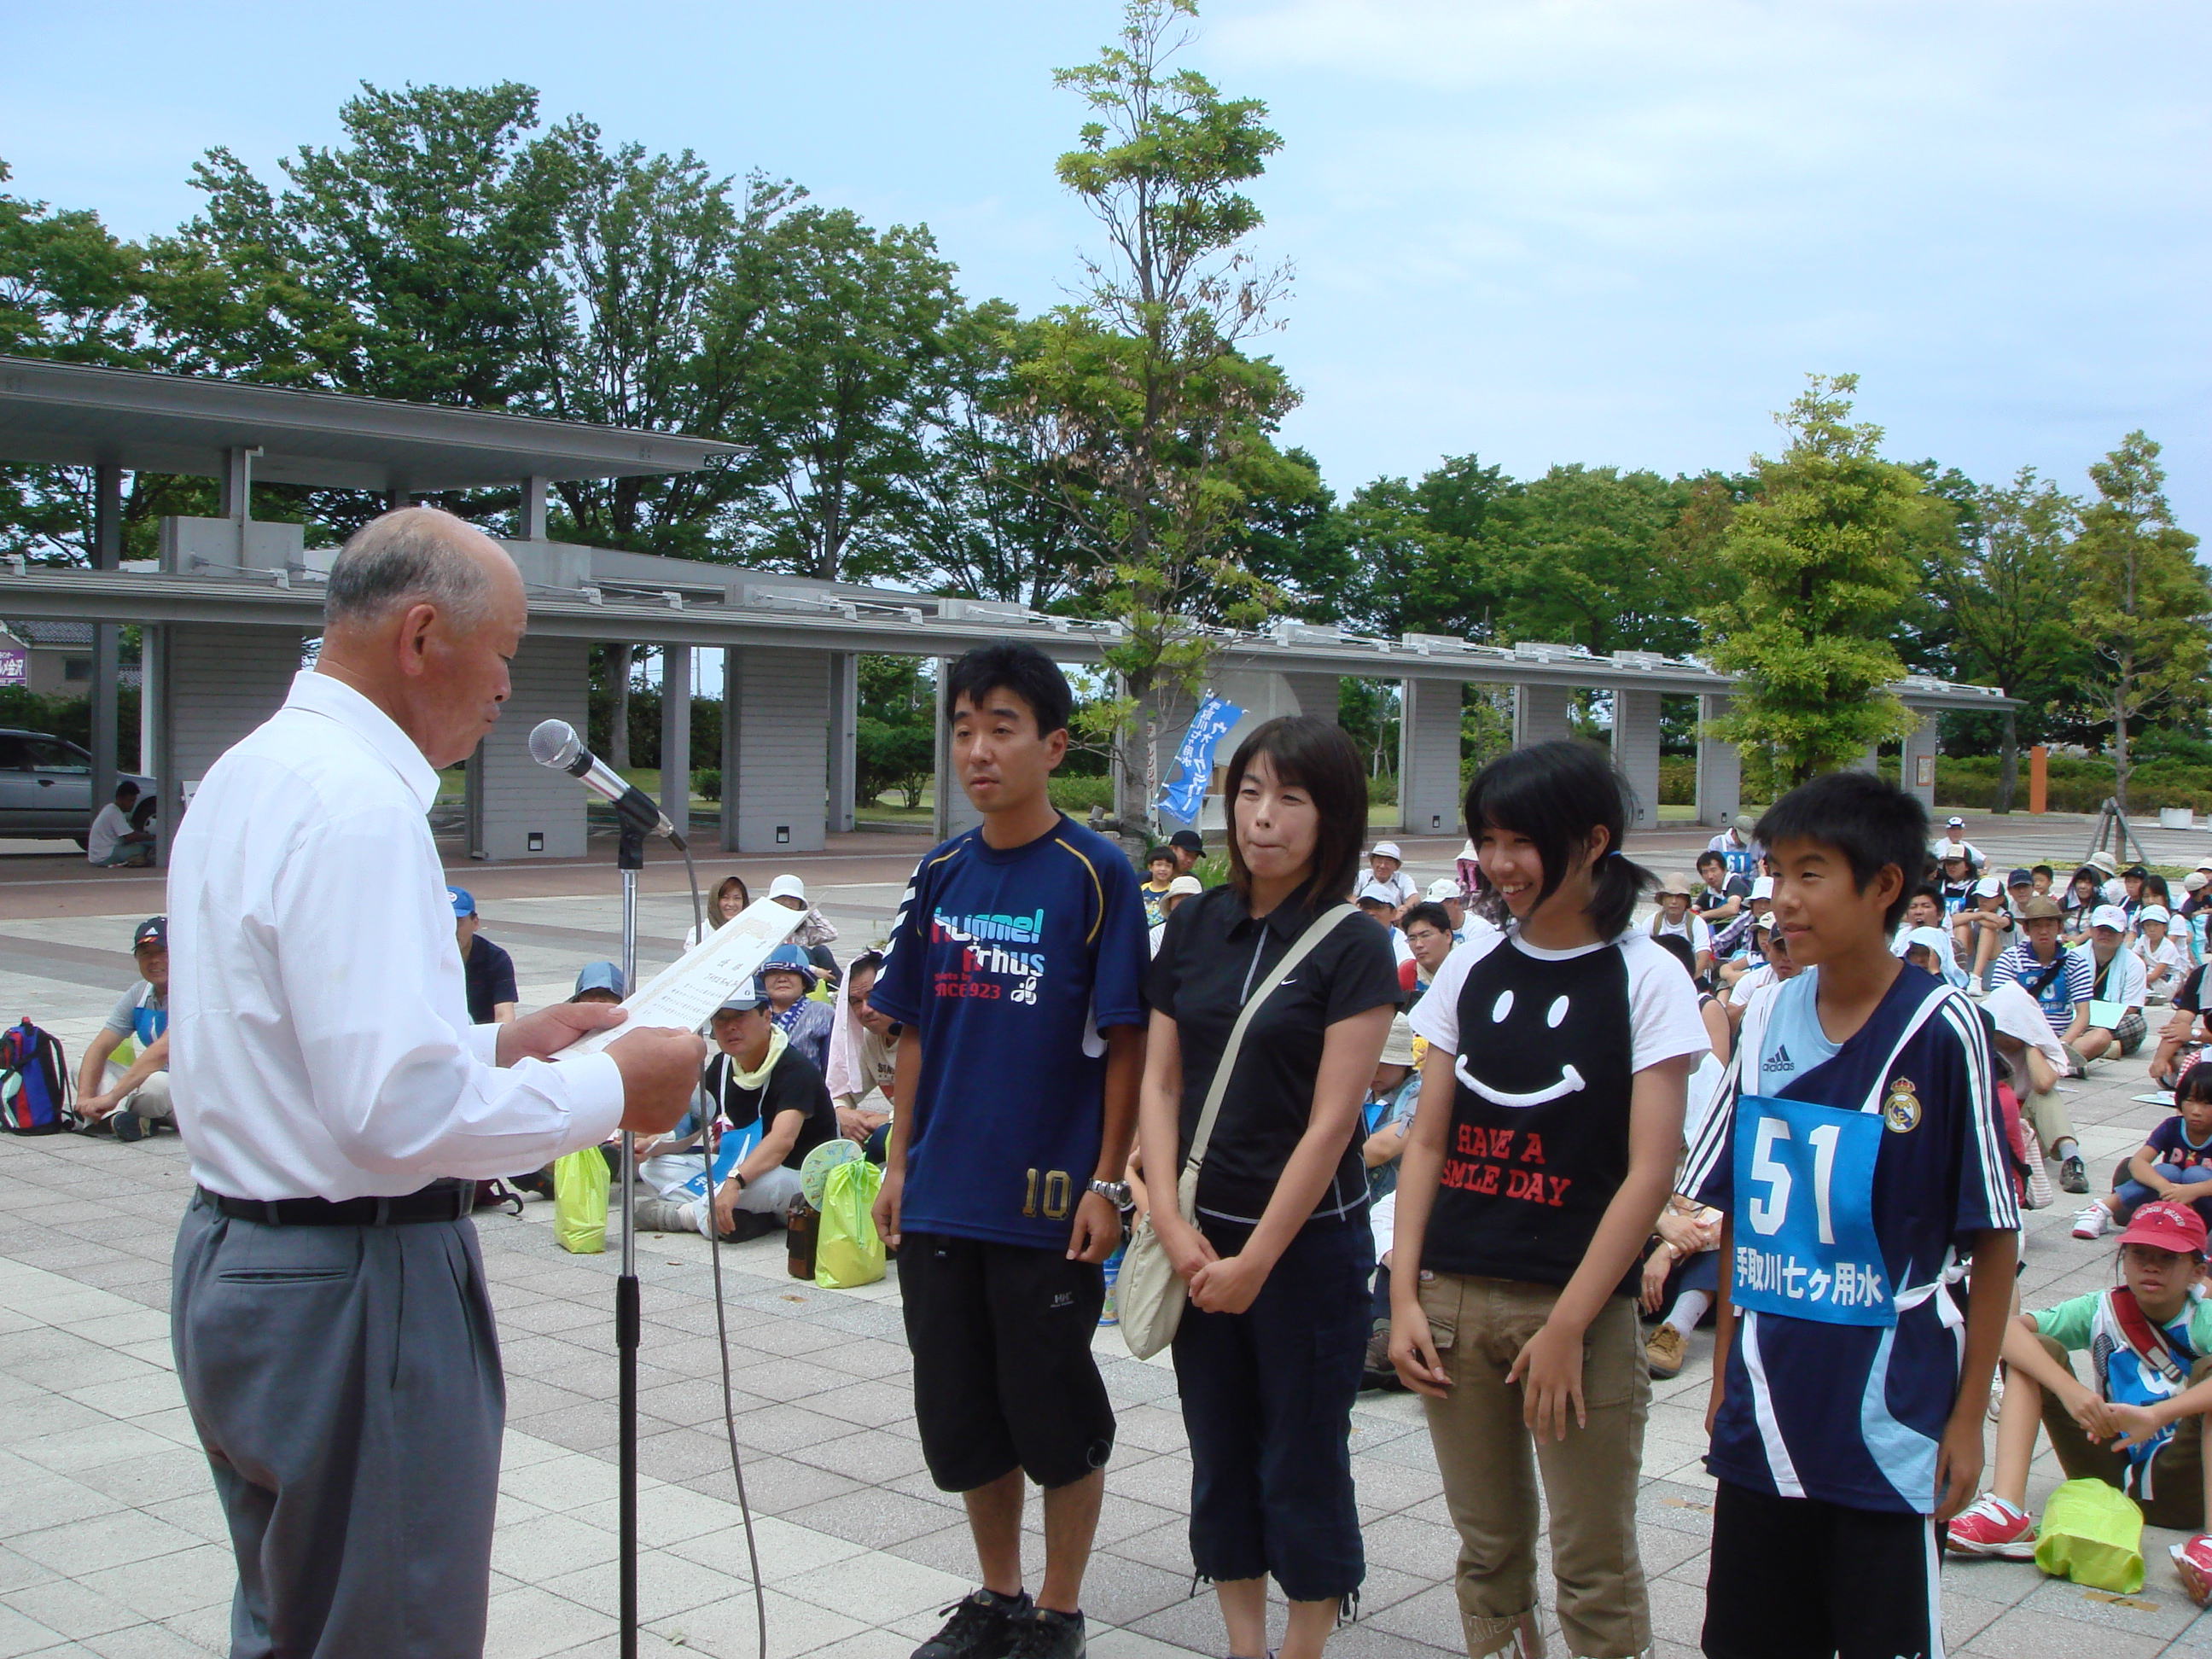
(1016, 965)
(1857, 1154)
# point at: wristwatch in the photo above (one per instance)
(1116, 1192)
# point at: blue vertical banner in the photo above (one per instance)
(1194, 760)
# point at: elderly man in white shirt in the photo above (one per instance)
(333, 1332)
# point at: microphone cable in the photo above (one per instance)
(709, 1138)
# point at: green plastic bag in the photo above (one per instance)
(848, 1249)
(2091, 1533)
(579, 1202)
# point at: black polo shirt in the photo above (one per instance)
(794, 1085)
(489, 972)
(1212, 953)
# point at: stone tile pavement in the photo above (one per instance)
(111, 1543)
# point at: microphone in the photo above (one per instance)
(554, 744)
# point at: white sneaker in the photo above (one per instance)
(2093, 1221)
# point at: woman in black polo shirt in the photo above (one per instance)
(1269, 1355)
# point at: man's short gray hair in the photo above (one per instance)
(410, 555)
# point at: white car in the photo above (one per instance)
(46, 787)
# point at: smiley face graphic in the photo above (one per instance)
(1512, 1052)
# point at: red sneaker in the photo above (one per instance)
(2193, 1561)
(1990, 1526)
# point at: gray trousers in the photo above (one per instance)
(345, 1383)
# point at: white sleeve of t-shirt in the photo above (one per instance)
(1435, 1016)
(1747, 985)
(1662, 1006)
(1701, 936)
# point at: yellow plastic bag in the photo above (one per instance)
(580, 1182)
(848, 1249)
(2091, 1533)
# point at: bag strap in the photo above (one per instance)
(2041, 983)
(1322, 926)
(2145, 1338)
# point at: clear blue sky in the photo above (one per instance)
(1607, 231)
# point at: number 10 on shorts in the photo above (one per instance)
(1805, 1243)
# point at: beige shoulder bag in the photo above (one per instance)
(1150, 1294)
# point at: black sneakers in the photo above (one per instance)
(984, 1625)
(1048, 1635)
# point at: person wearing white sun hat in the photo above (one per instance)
(2158, 944)
(1386, 869)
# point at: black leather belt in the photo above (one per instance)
(441, 1201)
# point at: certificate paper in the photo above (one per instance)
(684, 994)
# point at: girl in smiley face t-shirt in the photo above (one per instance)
(1547, 1138)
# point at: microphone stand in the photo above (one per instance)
(628, 1319)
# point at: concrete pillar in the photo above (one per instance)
(217, 682)
(954, 816)
(1317, 694)
(1429, 791)
(107, 555)
(776, 750)
(150, 709)
(1870, 762)
(1636, 751)
(844, 738)
(518, 809)
(1540, 714)
(1720, 766)
(1916, 772)
(235, 488)
(675, 733)
(533, 510)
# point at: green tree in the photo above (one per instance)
(412, 262)
(69, 290)
(845, 369)
(897, 729)
(1998, 585)
(1822, 577)
(1290, 537)
(649, 334)
(1004, 512)
(1578, 553)
(2140, 600)
(1145, 382)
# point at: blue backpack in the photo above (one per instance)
(34, 1088)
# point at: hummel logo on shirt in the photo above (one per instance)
(1779, 1060)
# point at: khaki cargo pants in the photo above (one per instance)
(1490, 1464)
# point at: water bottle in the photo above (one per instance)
(1108, 1314)
(799, 1238)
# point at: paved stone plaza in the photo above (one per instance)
(114, 1545)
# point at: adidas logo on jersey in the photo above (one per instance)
(1779, 1060)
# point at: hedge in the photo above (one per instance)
(2078, 784)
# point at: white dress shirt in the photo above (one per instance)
(320, 1041)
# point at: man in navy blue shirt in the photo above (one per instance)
(1015, 965)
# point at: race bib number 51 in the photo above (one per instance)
(1805, 1244)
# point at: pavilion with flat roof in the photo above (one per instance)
(231, 601)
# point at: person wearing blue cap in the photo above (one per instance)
(785, 979)
(136, 1098)
(756, 1076)
(599, 982)
(489, 971)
